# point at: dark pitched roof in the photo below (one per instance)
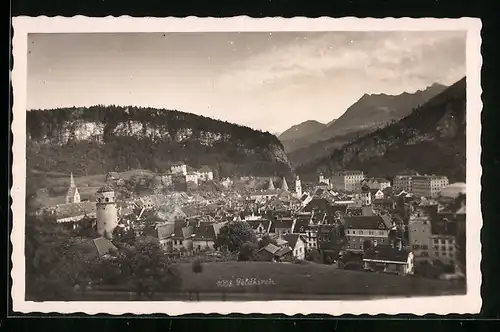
(103, 246)
(291, 239)
(271, 248)
(301, 225)
(282, 223)
(204, 233)
(205, 169)
(283, 251)
(255, 223)
(365, 222)
(74, 209)
(386, 253)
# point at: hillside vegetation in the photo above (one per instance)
(100, 139)
(431, 140)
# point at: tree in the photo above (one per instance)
(247, 251)
(233, 235)
(147, 268)
(54, 262)
(265, 240)
(367, 245)
(313, 255)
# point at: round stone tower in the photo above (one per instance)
(106, 212)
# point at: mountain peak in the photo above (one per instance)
(302, 129)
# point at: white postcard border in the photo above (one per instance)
(460, 304)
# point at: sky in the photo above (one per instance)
(265, 80)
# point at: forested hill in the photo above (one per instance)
(432, 139)
(99, 139)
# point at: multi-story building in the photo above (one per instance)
(419, 234)
(347, 180)
(362, 228)
(376, 183)
(432, 238)
(428, 185)
(402, 182)
(323, 179)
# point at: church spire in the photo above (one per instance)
(271, 184)
(73, 196)
(72, 181)
(284, 185)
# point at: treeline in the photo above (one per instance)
(48, 123)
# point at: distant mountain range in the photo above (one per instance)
(429, 139)
(301, 130)
(99, 139)
(368, 113)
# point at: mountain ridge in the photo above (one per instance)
(369, 112)
(431, 139)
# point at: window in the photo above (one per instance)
(450, 248)
(436, 254)
(450, 254)
(425, 247)
(425, 254)
(107, 199)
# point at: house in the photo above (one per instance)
(272, 253)
(383, 204)
(377, 183)
(305, 199)
(388, 259)
(72, 211)
(359, 229)
(346, 180)
(179, 168)
(192, 177)
(260, 226)
(203, 237)
(205, 174)
(104, 246)
(227, 182)
(307, 230)
(282, 226)
(330, 241)
(264, 194)
(378, 194)
(428, 185)
(167, 178)
(297, 243)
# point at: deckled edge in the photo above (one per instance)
(240, 23)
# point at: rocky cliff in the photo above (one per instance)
(430, 140)
(99, 139)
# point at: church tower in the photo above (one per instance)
(106, 212)
(298, 187)
(284, 185)
(271, 184)
(73, 196)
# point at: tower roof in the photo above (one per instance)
(284, 185)
(71, 181)
(106, 188)
(271, 184)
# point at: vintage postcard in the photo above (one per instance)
(240, 165)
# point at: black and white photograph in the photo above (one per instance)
(241, 165)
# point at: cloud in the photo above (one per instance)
(417, 58)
